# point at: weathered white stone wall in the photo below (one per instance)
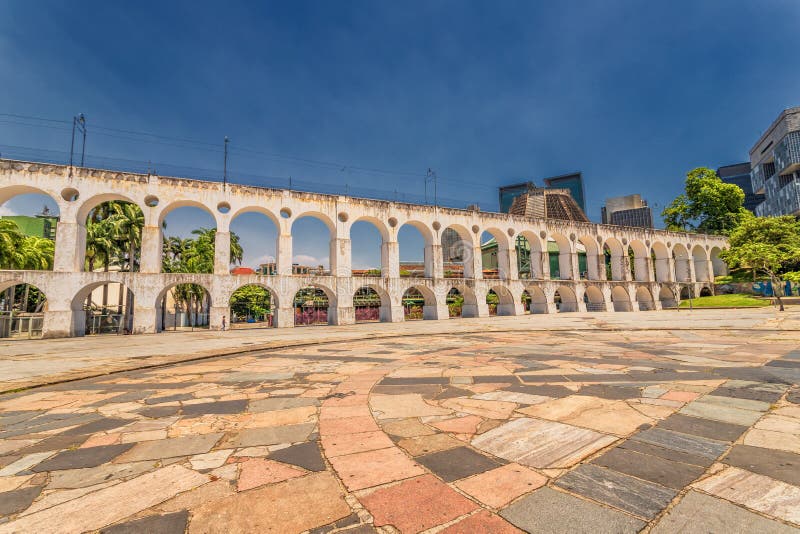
(681, 260)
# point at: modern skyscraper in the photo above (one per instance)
(739, 174)
(629, 210)
(573, 182)
(775, 164)
(548, 204)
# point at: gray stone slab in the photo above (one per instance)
(652, 468)
(131, 396)
(780, 465)
(667, 454)
(81, 478)
(694, 445)
(733, 402)
(281, 403)
(13, 502)
(718, 412)
(610, 392)
(272, 435)
(643, 499)
(172, 447)
(219, 407)
(246, 376)
(154, 524)
(306, 455)
(82, 458)
(45, 423)
(457, 463)
(157, 412)
(749, 393)
(101, 425)
(548, 510)
(169, 398)
(413, 380)
(706, 428)
(55, 443)
(700, 514)
(545, 390)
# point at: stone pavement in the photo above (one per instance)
(593, 428)
(27, 363)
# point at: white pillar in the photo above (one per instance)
(473, 266)
(340, 258)
(284, 317)
(70, 247)
(434, 265)
(152, 244)
(390, 259)
(222, 253)
(145, 320)
(284, 255)
(216, 313)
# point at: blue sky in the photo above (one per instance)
(632, 93)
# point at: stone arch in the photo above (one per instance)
(268, 224)
(383, 265)
(539, 303)
(564, 263)
(254, 208)
(500, 259)
(470, 306)
(718, 265)
(594, 299)
(454, 300)
(667, 298)
(411, 267)
(645, 299)
(458, 252)
(640, 267)
(183, 305)
(320, 216)
(410, 301)
(92, 317)
(23, 305)
(565, 299)
(616, 257)
(377, 311)
(620, 299)
(593, 268)
(11, 191)
(333, 251)
(91, 203)
(309, 303)
(530, 256)
(661, 265)
(506, 304)
(680, 255)
(263, 315)
(700, 260)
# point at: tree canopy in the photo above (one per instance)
(708, 205)
(770, 245)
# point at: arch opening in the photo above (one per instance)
(189, 241)
(620, 299)
(458, 254)
(455, 303)
(313, 247)
(495, 255)
(525, 299)
(645, 299)
(660, 257)
(103, 308)
(530, 256)
(639, 261)
(413, 304)
(588, 258)
(415, 250)
(701, 260)
(617, 260)
(718, 265)
(252, 306)
(28, 222)
(312, 307)
(22, 308)
(254, 243)
(565, 300)
(559, 253)
(680, 256)
(183, 307)
(367, 304)
(667, 298)
(538, 302)
(594, 300)
(368, 250)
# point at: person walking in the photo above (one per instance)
(223, 323)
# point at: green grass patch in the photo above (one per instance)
(726, 301)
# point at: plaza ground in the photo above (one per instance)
(603, 422)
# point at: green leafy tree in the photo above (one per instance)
(770, 245)
(709, 205)
(251, 300)
(11, 239)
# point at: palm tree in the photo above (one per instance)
(127, 221)
(11, 239)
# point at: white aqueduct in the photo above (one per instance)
(664, 262)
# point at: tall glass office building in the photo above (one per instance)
(775, 164)
(573, 182)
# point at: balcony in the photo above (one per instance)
(787, 154)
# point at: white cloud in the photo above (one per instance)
(5, 211)
(310, 261)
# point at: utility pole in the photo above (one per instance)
(431, 177)
(225, 164)
(78, 123)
